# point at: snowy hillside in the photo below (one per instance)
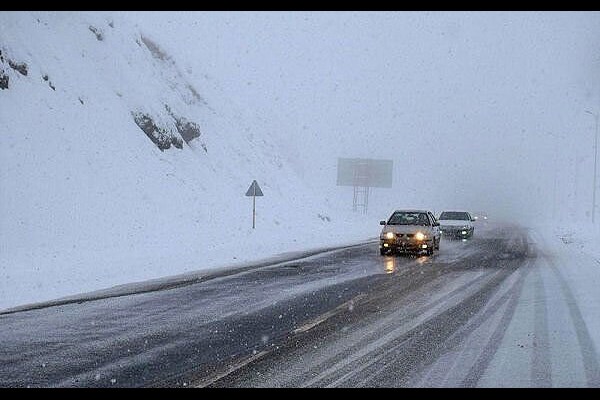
(118, 165)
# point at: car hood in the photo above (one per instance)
(404, 228)
(455, 222)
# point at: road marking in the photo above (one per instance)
(304, 328)
(231, 369)
(324, 317)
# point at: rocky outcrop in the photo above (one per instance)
(188, 130)
(21, 67)
(161, 137)
(3, 80)
(96, 32)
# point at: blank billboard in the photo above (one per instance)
(364, 172)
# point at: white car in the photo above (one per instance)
(456, 224)
(480, 216)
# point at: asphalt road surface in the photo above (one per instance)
(346, 318)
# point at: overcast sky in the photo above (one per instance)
(487, 107)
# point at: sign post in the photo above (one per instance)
(254, 190)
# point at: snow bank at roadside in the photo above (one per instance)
(583, 237)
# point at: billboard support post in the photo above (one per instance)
(363, 174)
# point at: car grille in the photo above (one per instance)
(408, 235)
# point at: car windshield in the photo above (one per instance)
(454, 215)
(408, 218)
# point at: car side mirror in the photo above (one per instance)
(381, 222)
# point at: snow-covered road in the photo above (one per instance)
(529, 319)
(512, 307)
(553, 336)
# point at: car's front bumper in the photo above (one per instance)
(456, 232)
(406, 245)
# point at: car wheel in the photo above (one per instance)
(437, 244)
(382, 252)
(430, 250)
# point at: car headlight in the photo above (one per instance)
(420, 236)
(389, 235)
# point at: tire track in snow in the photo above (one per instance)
(586, 344)
(541, 363)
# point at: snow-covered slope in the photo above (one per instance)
(117, 165)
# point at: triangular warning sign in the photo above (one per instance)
(254, 189)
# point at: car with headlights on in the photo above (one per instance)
(456, 224)
(409, 231)
(480, 217)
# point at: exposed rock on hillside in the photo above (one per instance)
(161, 137)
